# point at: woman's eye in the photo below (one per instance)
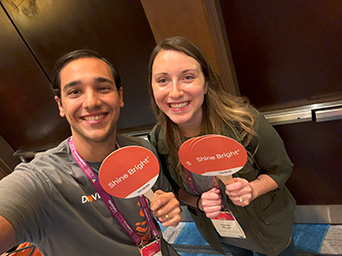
(188, 77)
(162, 80)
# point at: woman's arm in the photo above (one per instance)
(273, 161)
(242, 192)
(187, 198)
(209, 202)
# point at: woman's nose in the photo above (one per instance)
(176, 90)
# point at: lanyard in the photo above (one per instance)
(190, 182)
(108, 200)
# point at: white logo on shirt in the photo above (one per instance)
(90, 198)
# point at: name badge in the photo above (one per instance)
(227, 226)
(151, 249)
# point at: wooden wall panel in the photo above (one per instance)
(286, 52)
(117, 29)
(7, 160)
(315, 149)
(289, 54)
(28, 112)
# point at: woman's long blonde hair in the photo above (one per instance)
(221, 110)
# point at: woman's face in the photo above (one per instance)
(179, 87)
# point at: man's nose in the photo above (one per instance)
(91, 99)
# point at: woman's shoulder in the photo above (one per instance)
(253, 111)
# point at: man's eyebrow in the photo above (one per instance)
(103, 80)
(71, 84)
(96, 80)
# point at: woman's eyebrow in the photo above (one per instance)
(183, 71)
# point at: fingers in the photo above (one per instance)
(211, 203)
(212, 211)
(240, 192)
(166, 208)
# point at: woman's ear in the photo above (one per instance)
(205, 88)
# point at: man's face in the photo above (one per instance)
(90, 100)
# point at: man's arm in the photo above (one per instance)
(7, 235)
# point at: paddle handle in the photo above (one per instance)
(227, 179)
(150, 195)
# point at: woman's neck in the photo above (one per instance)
(190, 132)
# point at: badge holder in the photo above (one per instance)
(151, 249)
(227, 226)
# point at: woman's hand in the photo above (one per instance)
(211, 203)
(240, 192)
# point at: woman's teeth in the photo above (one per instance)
(179, 105)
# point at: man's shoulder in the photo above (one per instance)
(53, 157)
(62, 150)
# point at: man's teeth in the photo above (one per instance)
(179, 105)
(92, 118)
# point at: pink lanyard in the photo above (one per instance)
(108, 200)
(190, 182)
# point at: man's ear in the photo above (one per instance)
(60, 107)
(122, 103)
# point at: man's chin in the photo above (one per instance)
(98, 138)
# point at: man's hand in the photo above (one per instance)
(166, 208)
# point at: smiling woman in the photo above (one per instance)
(189, 100)
(179, 92)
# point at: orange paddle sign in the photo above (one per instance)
(213, 155)
(129, 172)
(183, 153)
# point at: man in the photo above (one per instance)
(52, 201)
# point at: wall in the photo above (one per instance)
(34, 34)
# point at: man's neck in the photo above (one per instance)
(94, 151)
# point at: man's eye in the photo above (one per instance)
(73, 92)
(105, 88)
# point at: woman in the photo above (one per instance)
(189, 100)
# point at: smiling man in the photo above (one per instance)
(42, 202)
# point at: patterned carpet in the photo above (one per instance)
(310, 239)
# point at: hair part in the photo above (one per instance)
(75, 55)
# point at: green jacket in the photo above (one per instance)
(267, 221)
